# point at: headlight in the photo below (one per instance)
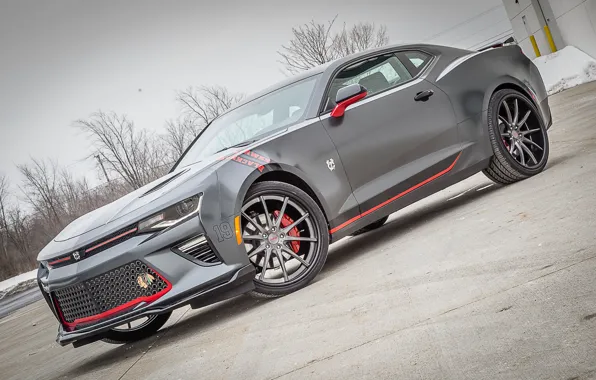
(171, 215)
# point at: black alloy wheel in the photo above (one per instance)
(285, 236)
(518, 137)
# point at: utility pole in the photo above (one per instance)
(103, 168)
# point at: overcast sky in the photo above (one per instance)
(62, 60)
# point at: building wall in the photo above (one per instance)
(577, 22)
(517, 12)
(572, 22)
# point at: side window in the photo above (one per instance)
(376, 74)
(415, 60)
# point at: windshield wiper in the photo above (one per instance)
(243, 143)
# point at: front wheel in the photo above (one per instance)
(286, 238)
(136, 330)
(518, 137)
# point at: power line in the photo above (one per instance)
(463, 22)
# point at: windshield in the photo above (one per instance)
(252, 120)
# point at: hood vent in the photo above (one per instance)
(164, 183)
(199, 248)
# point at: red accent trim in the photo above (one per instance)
(340, 108)
(148, 299)
(111, 240)
(334, 230)
(59, 260)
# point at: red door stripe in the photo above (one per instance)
(334, 230)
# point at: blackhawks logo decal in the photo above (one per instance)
(145, 280)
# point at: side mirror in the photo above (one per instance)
(346, 96)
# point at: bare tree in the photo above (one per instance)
(3, 218)
(203, 104)
(133, 154)
(314, 44)
(40, 188)
(359, 37)
(179, 134)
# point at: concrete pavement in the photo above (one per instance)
(476, 282)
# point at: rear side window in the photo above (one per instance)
(376, 74)
(414, 60)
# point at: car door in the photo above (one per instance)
(402, 133)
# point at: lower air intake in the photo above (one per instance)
(108, 294)
(198, 247)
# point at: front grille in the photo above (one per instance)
(198, 247)
(97, 246)
(109, 293)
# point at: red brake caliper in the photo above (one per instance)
(286, 221)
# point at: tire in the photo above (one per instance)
(313, 253)
(122, 336)
(373, 226)
(504, 168)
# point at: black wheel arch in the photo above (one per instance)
(286, 174)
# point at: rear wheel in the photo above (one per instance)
(286, 238)
(136, 330)
(373, 226)
(518, 136)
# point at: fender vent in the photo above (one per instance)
(198, 247)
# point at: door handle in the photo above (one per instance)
(424, 95)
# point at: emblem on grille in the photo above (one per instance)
(145, 280)
(76, 255)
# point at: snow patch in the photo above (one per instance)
(565, 69)
(9, 284)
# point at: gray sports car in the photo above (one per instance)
(255, 201)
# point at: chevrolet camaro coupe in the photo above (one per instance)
(255, 201)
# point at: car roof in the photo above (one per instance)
(328, 68)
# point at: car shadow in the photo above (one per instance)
(357, 245)
(221, 312)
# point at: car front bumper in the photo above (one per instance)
(190, 281)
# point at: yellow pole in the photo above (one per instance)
(535, 46)
(549, 37)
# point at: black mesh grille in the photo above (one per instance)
(108, 291)
(198, 247)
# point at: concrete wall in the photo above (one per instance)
(577, 22)
(572, 22)
(517, 10)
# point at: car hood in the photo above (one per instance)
(115, 211)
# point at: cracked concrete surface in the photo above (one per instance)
(497, 283)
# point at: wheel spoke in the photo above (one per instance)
(504, 121)
(253, 237)
(282, 263)
(525, 118)
(294, 255)
(259, 227)
(265, 264)
(281, 212)
(524, 139)
(524, 147)
(511, 148)
(299, 238)
(508, 111)
(504, 134)
(296, 222)
(267, 216)
(516, 113)
(530, 131)
(259, 249)
(522, 157)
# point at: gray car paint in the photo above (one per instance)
(411, 142)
